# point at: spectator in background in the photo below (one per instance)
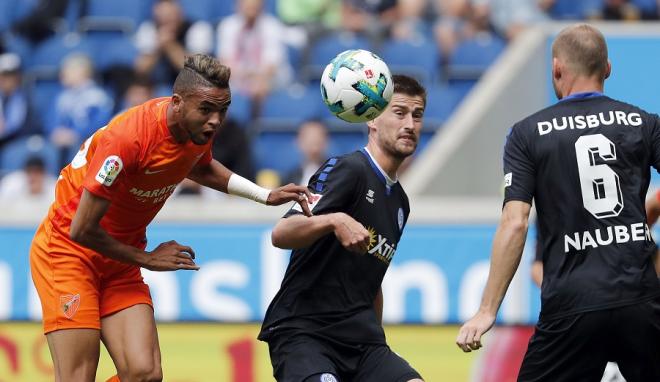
(312, 142)
(163, 42)
(231, 147)
(41, 23)
(452, 24)
(139, 91)
(32, 182)
(15, 111)
(510, 17)
(80, 109)
(310, 12)
(620, 10)
(371, 18)
(410, 24)
(250, 43)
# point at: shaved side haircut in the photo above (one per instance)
(199, 71)
(583, 49)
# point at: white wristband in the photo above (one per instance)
(242, 187)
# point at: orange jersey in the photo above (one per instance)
(135, 163)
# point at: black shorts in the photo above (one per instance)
(303, 358)
(577, 348)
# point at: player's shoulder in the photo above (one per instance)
(351, 162)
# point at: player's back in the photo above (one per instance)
(586, 162)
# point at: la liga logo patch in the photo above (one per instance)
(111, 167)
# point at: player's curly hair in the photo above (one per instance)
(201, 70)
(409, 86)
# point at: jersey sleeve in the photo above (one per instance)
(113, 157)
(519, 173)
(332, 188)
(655, 141)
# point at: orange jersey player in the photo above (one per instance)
(87, 253)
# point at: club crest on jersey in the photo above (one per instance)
(70, 304)
(326, 377)
(399, 218)
(112, 166)
(312, 202)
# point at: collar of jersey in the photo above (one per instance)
(583, 95)
(379, 171)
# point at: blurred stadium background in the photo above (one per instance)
(485, 64)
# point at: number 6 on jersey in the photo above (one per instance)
(601, 191)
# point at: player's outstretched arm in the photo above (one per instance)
(219, 177)
(87, 231)
(299, 231)
(507, 250)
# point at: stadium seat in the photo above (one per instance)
(326, 48)
(420, 60)
(646, 6)
(44, 86)
(112, 50)
(343, 142)
(14, 154)
(288, 108)
(575, 10)
(440, 104)
(473, 56)
(50, 53)
(129, 13)
(276, 151)
(240, 109)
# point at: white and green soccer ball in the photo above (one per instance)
(356, 86)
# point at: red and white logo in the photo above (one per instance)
(369, 73)
(70, 304)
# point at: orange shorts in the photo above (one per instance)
(78, 286)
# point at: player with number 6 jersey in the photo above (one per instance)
(585, 162)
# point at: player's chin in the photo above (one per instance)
(203, 138)
(406, 147)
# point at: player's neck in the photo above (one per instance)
(582, 85)
(389, 164)
(175, 128)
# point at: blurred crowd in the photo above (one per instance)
(68, 66)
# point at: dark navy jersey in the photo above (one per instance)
(328, 291)
(586, 161)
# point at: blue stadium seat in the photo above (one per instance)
(441, 101)
(343, 142)
(288, 108)
(44, 86)
(240, 109)
(51, 52)
(420, 60)
(112, 50)
(575, 10)
(128, 12)
(276, 151)
(473, 56)
(646, 6)
(14, 154)
(326, 48)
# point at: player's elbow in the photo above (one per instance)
(517, 225)
(277, 237)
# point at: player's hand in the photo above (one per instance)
(351, 233)
(288, 193)
(469, 336)
(171, 256)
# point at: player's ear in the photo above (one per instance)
(556, 68)
(177, 102)
(609, 70)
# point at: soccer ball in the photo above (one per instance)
(356, 86)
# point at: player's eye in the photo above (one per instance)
(204, 109)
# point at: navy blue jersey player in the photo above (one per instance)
(324, 324)
(585, 162)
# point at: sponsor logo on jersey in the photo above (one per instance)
(70, 304)
(149, 172)
(109, 170)
(380, 247)
(326, 377)
(618, 234)
(154, 196)
(507, 179)
(571, 122)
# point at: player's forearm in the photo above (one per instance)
(300, 231)
(507, 250)
(214, 175)
(98, 240)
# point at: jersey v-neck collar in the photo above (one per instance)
(583, 95)
(382, 175)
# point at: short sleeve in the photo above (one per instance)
(655, 141)
(113, 156)
(332, 188)
(519, 173)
